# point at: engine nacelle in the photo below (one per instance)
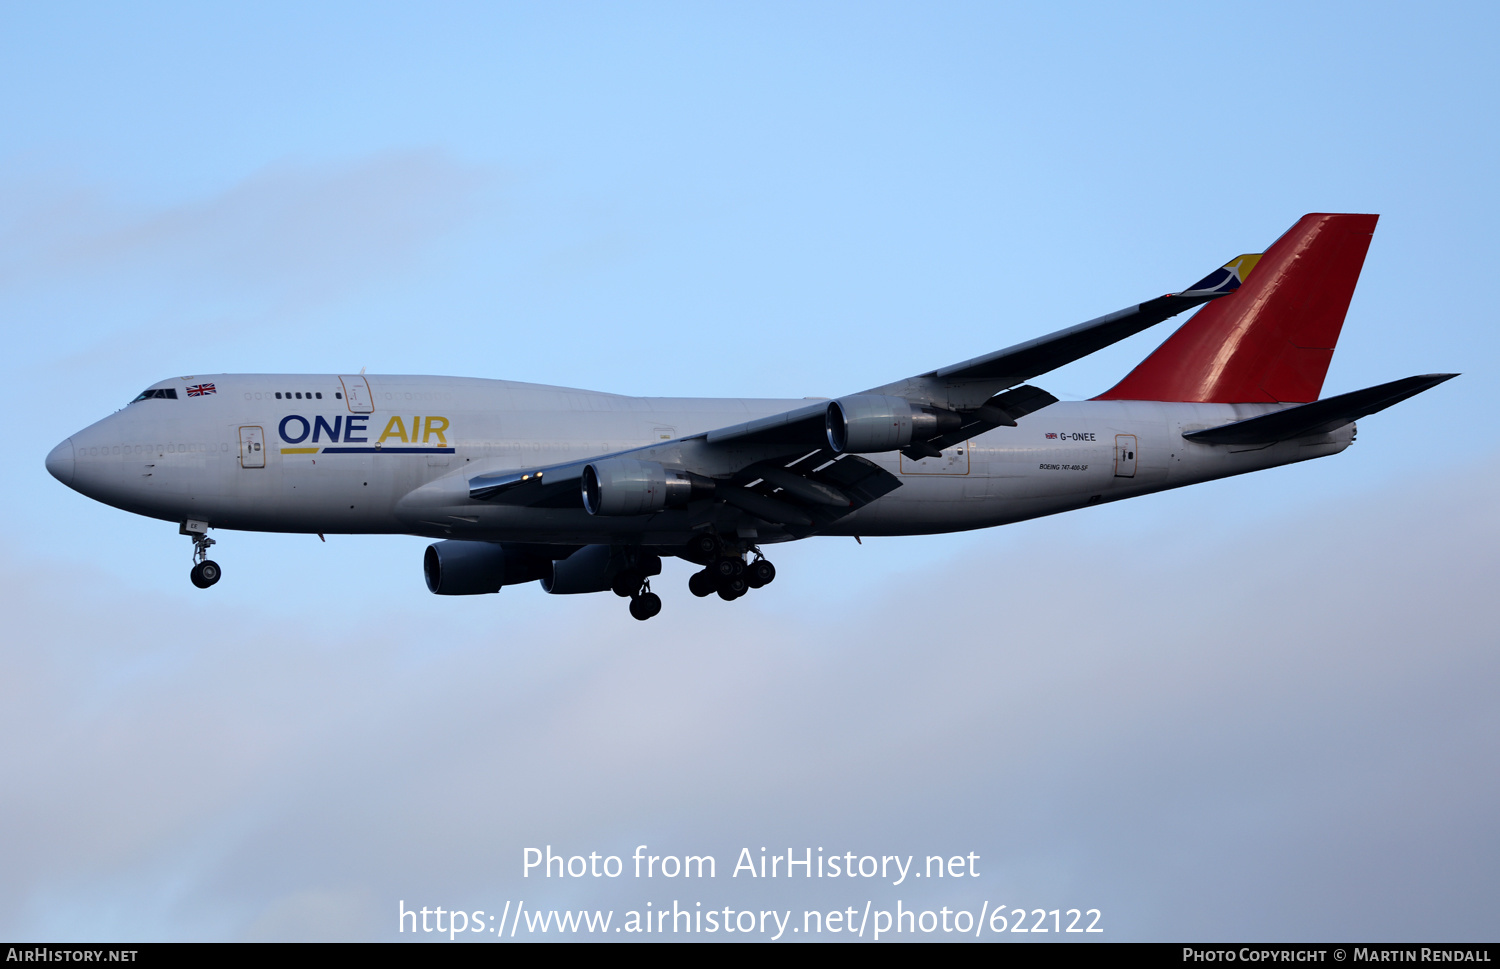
(459, 568)
(625, 486)
(593, 568)
(869, 423)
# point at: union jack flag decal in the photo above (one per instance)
(201, 390)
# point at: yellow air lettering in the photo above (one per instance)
(436, 425)
(395, 429)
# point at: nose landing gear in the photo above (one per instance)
(205, 571)
(205, 574)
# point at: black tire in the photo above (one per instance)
(701, 584)
(645, 606)
(627, 583)
(703, 547)
(727, 567)
(760, 573)
(205, 574)
(732, 587)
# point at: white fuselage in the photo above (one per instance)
(399, 461)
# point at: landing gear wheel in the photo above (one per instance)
(701, 584)
(704, 545)
(759, 573)
(725, 567)
(628, 583)
(733, 588)
(645, 605)
(205, 573)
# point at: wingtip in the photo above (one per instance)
(1226, 279)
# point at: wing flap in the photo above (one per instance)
(810, 493)
(762, 506)
(1001, 410)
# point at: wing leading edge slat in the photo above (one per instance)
(1023, 361)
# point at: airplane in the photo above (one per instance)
(587, 492)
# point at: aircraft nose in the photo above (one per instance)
(60, 462)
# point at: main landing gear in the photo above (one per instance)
(725, 571)
(205, 571)
(632, 584)
(728, 574)
(645, 605)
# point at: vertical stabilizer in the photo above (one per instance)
(1272, 341)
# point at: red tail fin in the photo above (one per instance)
(1273, 339)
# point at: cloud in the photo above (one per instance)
(289, 235)
(1282, 731)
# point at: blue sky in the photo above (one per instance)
(778, 200)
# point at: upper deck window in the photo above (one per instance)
(161, 393)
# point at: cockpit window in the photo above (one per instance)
(162, 393)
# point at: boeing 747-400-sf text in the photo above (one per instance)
(586, 492)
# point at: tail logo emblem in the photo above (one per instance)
(1227, 278)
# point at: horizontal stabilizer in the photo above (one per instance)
(1320, 416)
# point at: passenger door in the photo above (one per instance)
(357, 394)
(252, 446)
(1124, 455)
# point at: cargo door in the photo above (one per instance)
(954, 460)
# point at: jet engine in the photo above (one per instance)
(458, 568)
(868, 423)
(625, 486)
(597, 568)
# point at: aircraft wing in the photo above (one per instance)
(1026, 360)
(967, 385)
(801, 469)
(802, 492)
(974, 389)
